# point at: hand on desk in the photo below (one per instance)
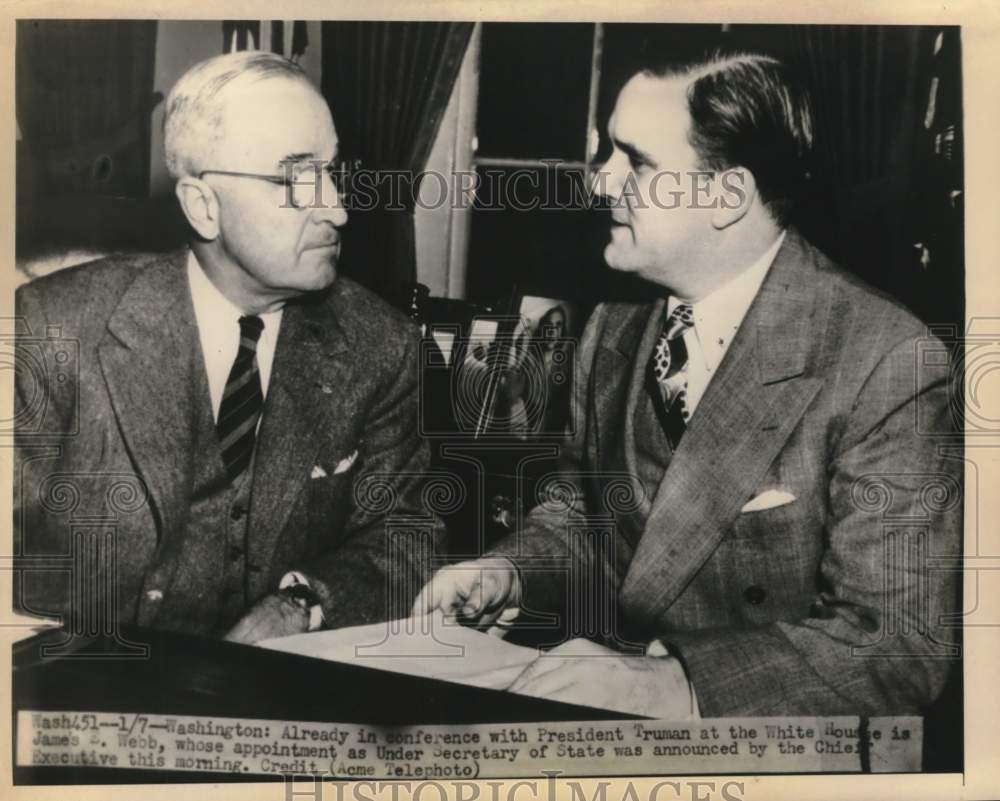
(583, 672)
(481, 591)
(274, 615)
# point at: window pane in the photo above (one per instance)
(534, 87)
(534, 229)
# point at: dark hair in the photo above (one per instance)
(748, 111)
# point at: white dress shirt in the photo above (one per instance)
(717, 317)
(218, 323)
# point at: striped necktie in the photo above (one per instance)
(242, 401)
(668, 368)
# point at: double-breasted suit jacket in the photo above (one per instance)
(824, 595)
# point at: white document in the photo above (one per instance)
(427, 646)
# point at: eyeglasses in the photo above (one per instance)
(302, 182)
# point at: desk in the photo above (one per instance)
(184, 675)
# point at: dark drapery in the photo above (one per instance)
(886, 199)
(388, 85)
(886, 195)
(84, 98)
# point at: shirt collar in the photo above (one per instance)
(213, 311)
(718, 315)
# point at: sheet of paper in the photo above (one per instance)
(427, 646)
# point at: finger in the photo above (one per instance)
(491, 591)
(473, 591)
(479, 600)
(505, 622)
(460, 595)
(487, 618)
(444, 591)
(499, 629)
(494, 593)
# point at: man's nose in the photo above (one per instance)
(337, 211)
(333, 208)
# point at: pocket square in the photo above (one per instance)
(768, 500)
(317, 472)
(345, 464)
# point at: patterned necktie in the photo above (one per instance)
(242, 401)
(668, 367)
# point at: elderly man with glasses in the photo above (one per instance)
(251, 402)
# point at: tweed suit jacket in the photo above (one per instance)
(113, 434)
(818, 605)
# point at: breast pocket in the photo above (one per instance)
(329, 504)
(769, 560)
(765, 524)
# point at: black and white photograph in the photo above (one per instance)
(429, 401)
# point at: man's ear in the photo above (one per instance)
(736, 192)
(200, 205)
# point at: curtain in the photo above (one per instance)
(84, 98)
(388, 85)
(877, 190)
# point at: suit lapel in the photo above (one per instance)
(618, 364)
(308, 403)
(636, 391)
(146, 360)
(750, 408)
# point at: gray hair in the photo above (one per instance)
(192, 122)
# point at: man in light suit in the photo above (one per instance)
(719, 532)
(238, 410)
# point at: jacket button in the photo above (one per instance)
(237, 512)
(235, 552)
(754, 595)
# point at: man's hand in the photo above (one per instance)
(480, 591)
(275, 615)
(583, 672)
